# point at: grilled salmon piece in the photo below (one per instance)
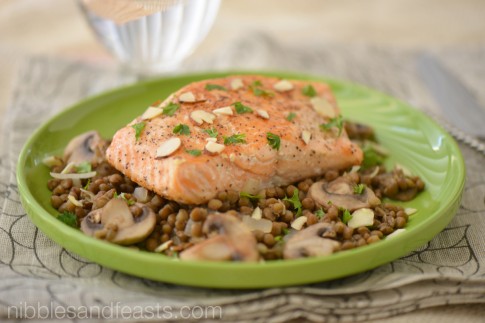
(269, 132)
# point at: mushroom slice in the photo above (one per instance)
(114, 222)
(310, 243)
(340, 192)
(87, 147)
(232, 241)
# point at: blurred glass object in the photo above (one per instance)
(151, 36)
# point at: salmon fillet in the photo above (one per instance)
(303, 115)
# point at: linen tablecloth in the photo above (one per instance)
(36, 272)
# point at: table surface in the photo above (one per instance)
(56, 27)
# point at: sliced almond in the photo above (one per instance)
(51, 161)
(323, 107)
(361, 218)
(299, 222)
(257, 213)
(395, 233)
(355, 169)
(164, 246)
(236, 84)
(214, 147)
(410, 210)
(227, 111)
(232, 158)
(168, 147)
(306, 136)
(211, 139)
(283, 86)
(151, 113)
(262, 113)
(75, 202)
(201, 116)
(187, 97)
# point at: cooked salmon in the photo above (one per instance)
(242, 133)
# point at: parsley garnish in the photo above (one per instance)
(309, 90)
(86, 187)
(210, 87)
(258, 91)
(278, 238)
(241, 108)
(181, 129)
(212, 132)
(68, 218)
(371, 157)
(170, 109)
(273, 140)
(194, 152)
(295, 201)
(250, 196)
(346, 216)
(334, 122)
(285, 231)
(138, 129)
(359, 189)
(319, 213)
(122, 196)
(84, 167)
(239, 138)
(291, 116)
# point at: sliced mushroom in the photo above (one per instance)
(229, 239)
(310, 243)
(87, 147)
(115, 223)
(340, 192)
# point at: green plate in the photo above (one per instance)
(413, 140)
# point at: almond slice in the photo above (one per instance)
(75, 202)
(227, 111)
(410, 210)
(214, 147)
(187, 97)
(211, 139)
(164, 246)
(361, 218)
(395, 233)
(257, 213)
(51, 161)
(299, 222)
(306, 136)
(262, 113)
(168, 147)
(323, 107)
(283, 86)
(151, 113)
(201, 116)
(236, 84)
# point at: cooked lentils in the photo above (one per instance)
(183, 223)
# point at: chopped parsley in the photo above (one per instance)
(371, 157)
(250, 196)
(255, 87)
(359, 189)
(278, 238)
(241, 108)
(334, 122)
(170, 109)
(84, 167)
(212, 132)
(273, 140)
(138, 129)
(194, 152)
(86, 187)
(68, 218)
(122, 196)
(309, 91)
(285, 231)
(210, 87)
(346, 216)
(181, 129)
(257, 83)
(319, 213)
(291, 116)
(238, 138)
(295, 201)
